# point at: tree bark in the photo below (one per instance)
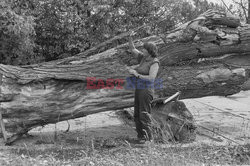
(192, 61)
(248, 17)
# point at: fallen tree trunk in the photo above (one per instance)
(54, 91)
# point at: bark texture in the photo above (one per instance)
(248, 18)
(206, 56)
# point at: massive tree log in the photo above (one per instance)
(206, 56)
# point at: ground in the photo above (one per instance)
(103, 139)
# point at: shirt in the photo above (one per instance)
(145, 64)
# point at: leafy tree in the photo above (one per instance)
(66, 27)
(16, 36)
(179, 12)
(241, 8)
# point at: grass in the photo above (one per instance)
(81, 148)
(121, 151)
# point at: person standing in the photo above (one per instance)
(146, 71)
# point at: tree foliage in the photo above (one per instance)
(16, 36)
(50, 29)
(240, 8)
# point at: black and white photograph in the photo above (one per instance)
(124, 82)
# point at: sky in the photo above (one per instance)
(219, 1)
(227, 2)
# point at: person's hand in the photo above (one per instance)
(127, 67)
(133, 72)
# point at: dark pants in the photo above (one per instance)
(142, 110)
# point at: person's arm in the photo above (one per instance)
(132, 48)
(152, 72)
(134, 66)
